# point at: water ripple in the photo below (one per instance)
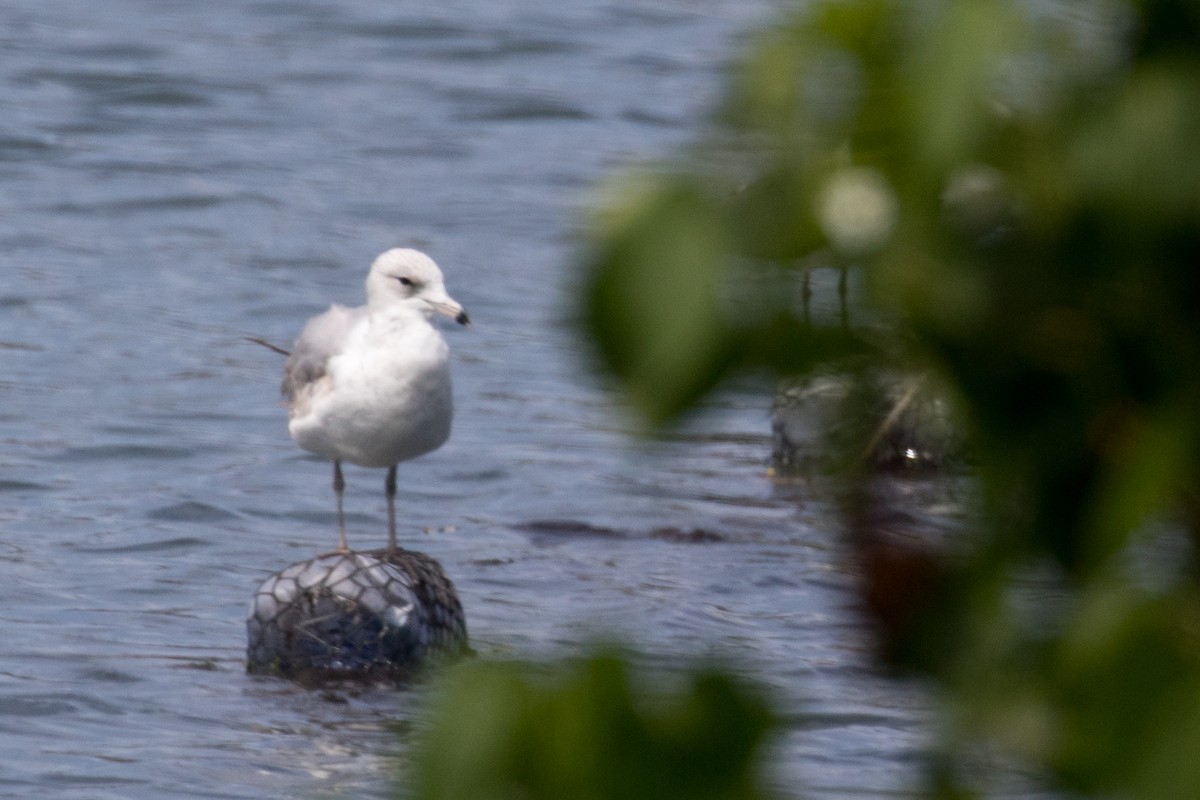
(191, 511)
(121, 452)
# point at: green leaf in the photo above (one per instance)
(1129, 693)
(772, 217)
(952, 79)
(790, 347)
(651, 302)
(1138, 157)
(590, 730)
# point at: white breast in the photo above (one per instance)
(385, 398)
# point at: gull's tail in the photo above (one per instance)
(267, 345)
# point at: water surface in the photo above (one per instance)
(176, 176)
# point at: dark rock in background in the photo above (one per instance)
(906, 425)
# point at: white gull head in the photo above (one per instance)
(407, 279)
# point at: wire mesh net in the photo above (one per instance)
(356, 615)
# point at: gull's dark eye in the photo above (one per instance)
(406, 282)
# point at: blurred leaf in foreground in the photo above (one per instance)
(653, 300)
(590, 730)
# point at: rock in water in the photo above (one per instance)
(373, 615)
(813, 422)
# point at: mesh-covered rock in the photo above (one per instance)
(357, 615)
(912, 426)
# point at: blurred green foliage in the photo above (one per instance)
(590, 730)
(1014, 188)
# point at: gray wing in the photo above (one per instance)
(322, 338)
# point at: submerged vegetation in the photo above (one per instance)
(1013, 190)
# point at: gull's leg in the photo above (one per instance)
(339, 486)
(389, 489)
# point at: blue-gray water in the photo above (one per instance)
(175, 176)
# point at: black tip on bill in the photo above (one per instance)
(463, 319)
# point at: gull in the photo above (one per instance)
(371, 385)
